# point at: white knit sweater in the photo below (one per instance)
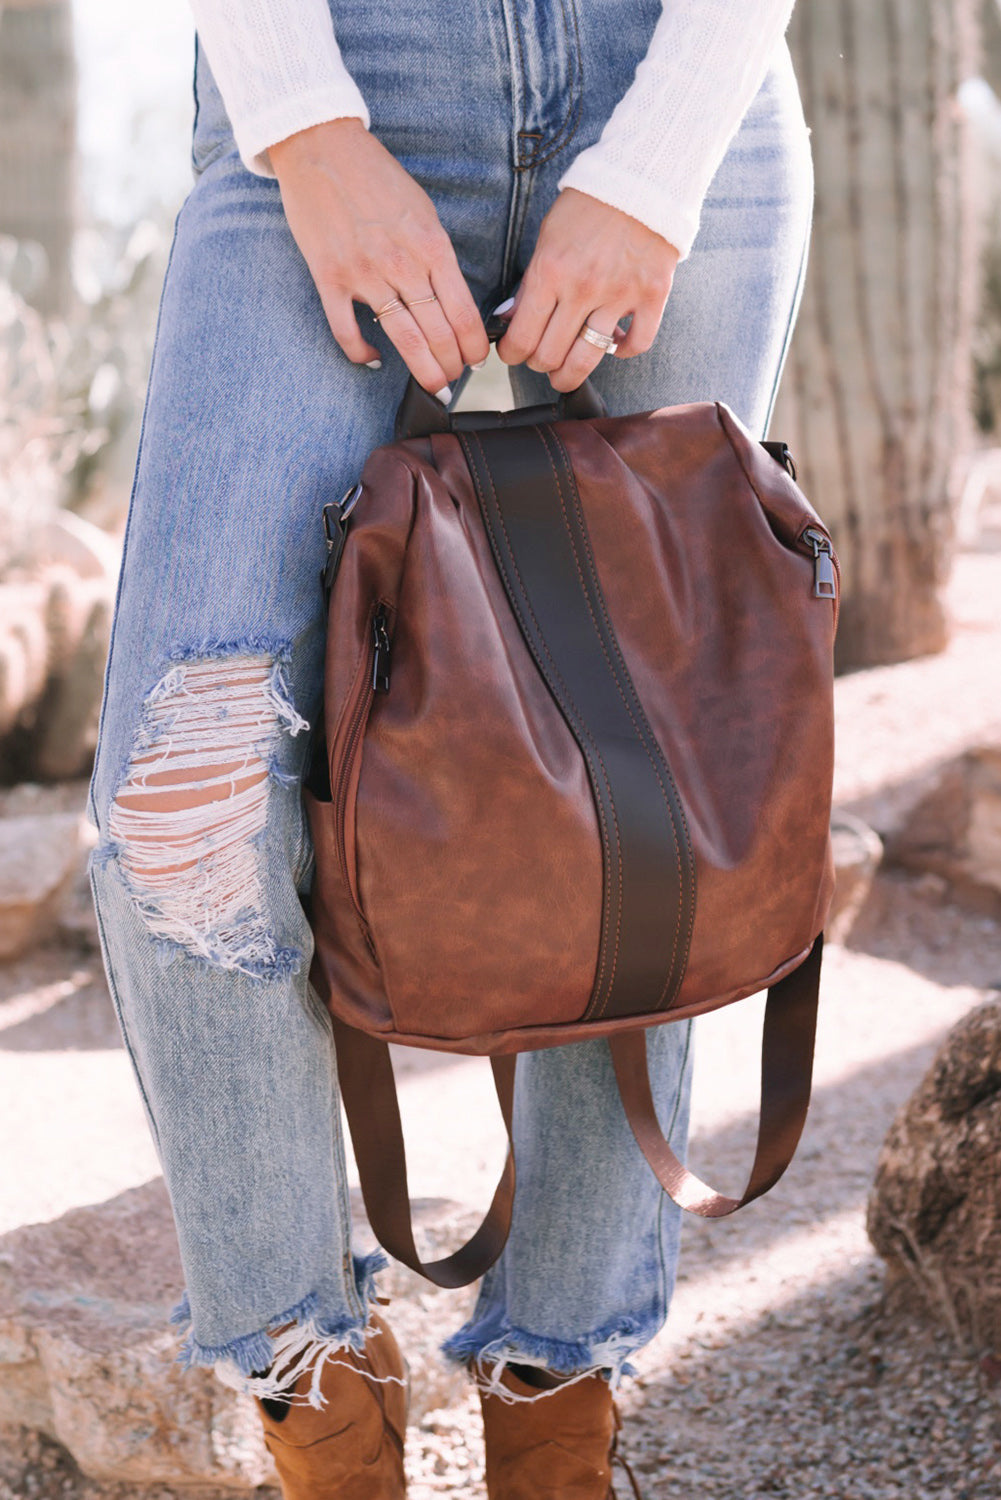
(279, 70)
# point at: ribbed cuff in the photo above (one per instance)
(341, 101)
(671, 214)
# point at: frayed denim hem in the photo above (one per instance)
(236, 1361)
(606, 1352)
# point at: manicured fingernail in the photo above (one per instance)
(478, 366)
(504, 307)
(444, 395)
(373, 364)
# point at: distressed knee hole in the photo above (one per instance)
(189, 818)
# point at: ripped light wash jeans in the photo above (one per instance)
(253, 420)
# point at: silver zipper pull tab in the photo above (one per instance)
(824, 581)
(380, 657)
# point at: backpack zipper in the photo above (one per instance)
(826, 572)
(372, 679)
(380, 651)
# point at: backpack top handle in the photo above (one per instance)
(420, 414)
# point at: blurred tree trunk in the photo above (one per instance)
(991, 42)
(987, 342)
(38, 90)
(875, 402)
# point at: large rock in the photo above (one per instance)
(63, 735)
(935, 1210)
(55, 627)
(87, 1358)
(857, 855)
(39, 857)
(953, 828)
(69, 539)
(24, 649)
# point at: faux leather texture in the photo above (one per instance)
(460, 878)
(531, 508)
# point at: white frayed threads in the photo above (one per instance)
(489, 1379)
(298, 1349)
(187, 819)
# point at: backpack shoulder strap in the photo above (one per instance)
(786, 1075)
(368, 1089)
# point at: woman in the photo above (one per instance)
(369, 182)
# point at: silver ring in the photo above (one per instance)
(602, 341)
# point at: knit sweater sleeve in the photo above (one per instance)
(669, 132)
(279, 70)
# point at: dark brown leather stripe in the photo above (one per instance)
(535, 523)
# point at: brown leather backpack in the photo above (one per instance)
(576, 778)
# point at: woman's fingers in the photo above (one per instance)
(591, 264)
(440, 302)
(557, 337)
(533, 307)
(642, 330)
(545, 334)
(408, 337)
(584, 357)
(427, 312)
(344, 326)
(457, 305)
(579, 357)
(368, 233)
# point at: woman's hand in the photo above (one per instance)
(592, 264)
(369, 233)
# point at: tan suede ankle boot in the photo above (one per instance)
(558, 1447)
(351, 1448)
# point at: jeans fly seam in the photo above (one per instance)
(567, 130)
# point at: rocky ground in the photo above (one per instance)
(786, 1369)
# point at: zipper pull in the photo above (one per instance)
(380, 657)
(824, 582)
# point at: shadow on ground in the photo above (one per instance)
(907, 921)
(874, 1401)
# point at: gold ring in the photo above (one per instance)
(419, 300)
(394, 305)
(602, 341)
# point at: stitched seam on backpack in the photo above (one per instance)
(684, 822)
(663, 792)
(739, 457)
(601, 602)
(579, 719)
(356, 669)
(604, 1005)
(570, 705)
